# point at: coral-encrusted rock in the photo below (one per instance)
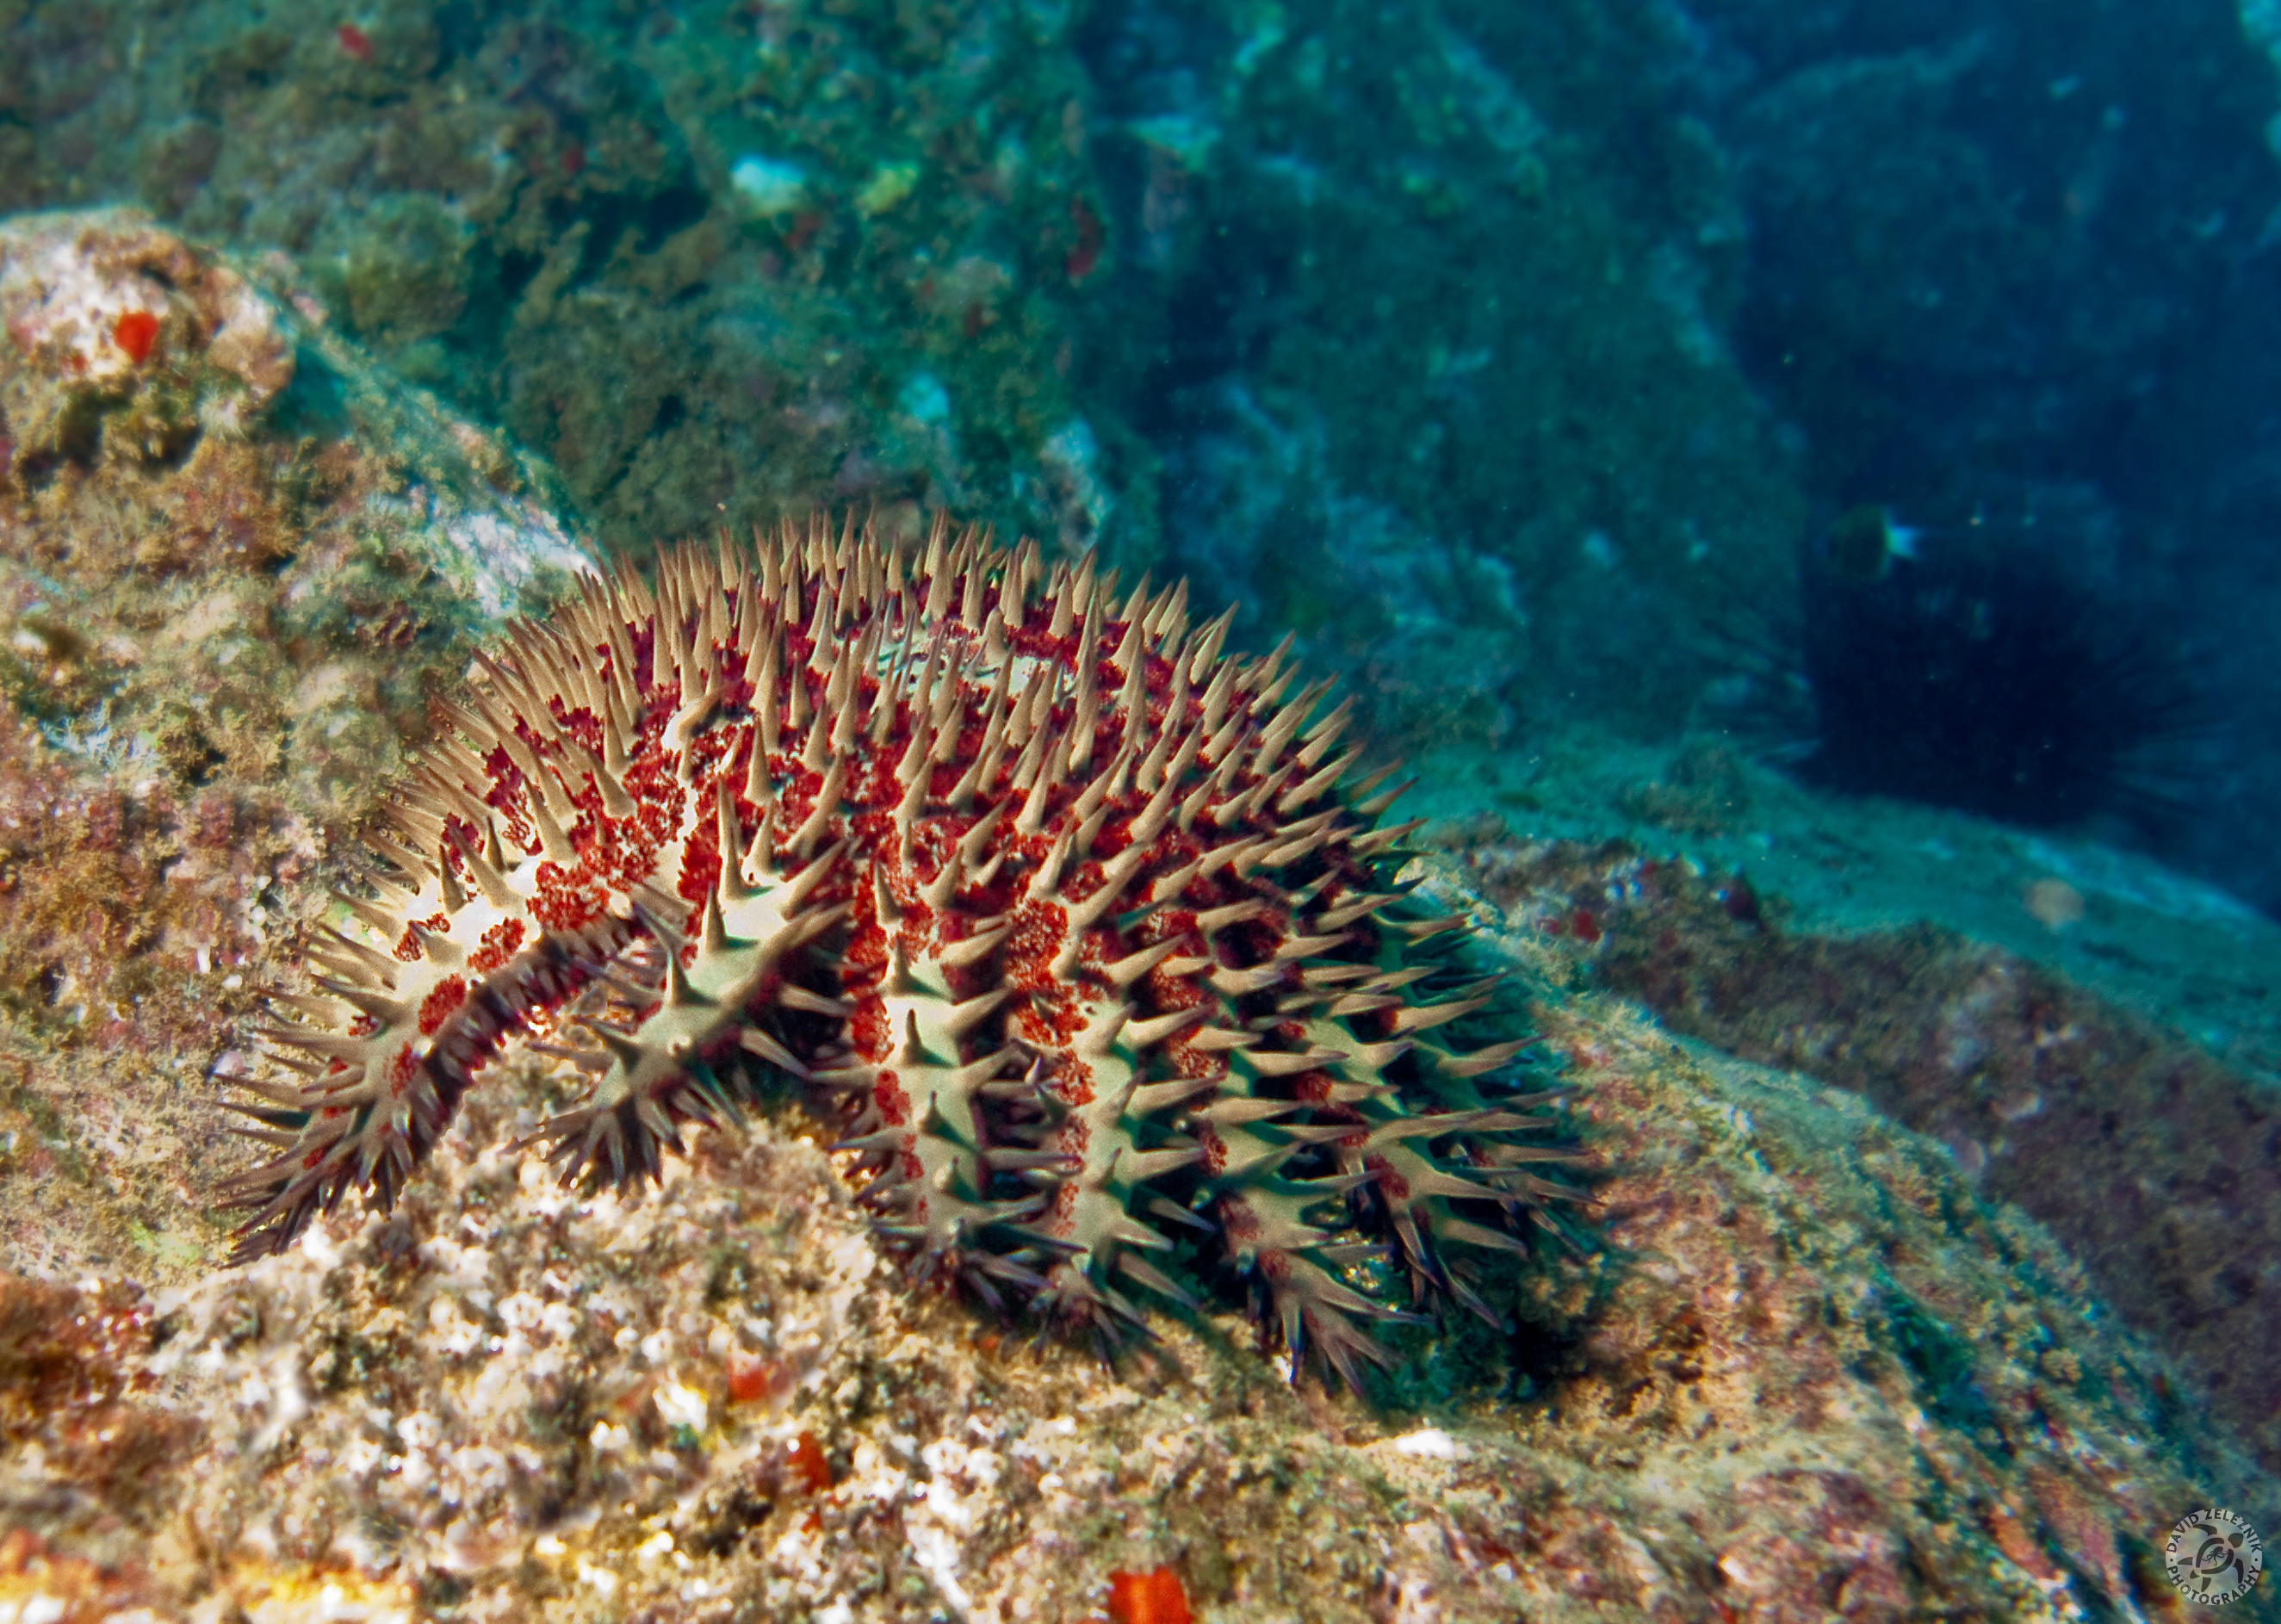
(1061, 917)
(135, 357)
(1816, 1379)
(123, 330)
(206, 658)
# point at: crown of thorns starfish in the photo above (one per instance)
(1059, 916)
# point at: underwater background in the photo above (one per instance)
(1522, 358)
(1799, 481)
(1515, 357)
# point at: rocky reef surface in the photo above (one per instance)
(1810, 1370)
(235, 561)
(1813, 1371)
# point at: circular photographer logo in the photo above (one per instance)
(2213, 1557)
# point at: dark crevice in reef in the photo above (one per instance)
(2158, 1167)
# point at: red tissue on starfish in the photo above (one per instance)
(1060, 916)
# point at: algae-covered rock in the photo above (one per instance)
(399, 276)
(1809, 1370)
(233, 570)
(2148, 1156)
(126, 345)
(739, 260)
(1346, 310)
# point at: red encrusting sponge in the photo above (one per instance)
(135, 332)
(1153, 1598)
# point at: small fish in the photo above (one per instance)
(1864, 542)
